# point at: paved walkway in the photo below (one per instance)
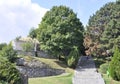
(86, 73)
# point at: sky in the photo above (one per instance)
(17, 17)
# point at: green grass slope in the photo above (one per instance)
(53, 63)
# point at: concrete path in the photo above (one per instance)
(86, 73)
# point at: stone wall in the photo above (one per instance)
(24, 79)
(32, 53)
(35, 68)
(32, 72)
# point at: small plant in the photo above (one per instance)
(73, 57)
(104, 68)
(115, 65)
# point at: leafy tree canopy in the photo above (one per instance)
(60, 30)
(33, 33)
(2, 45)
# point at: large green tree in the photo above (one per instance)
(60, 31)
(104, 29)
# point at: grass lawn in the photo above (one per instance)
(53, 63)
(61, 79)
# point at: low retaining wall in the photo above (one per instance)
(35, 68)
(39, 72)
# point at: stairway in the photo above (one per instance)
(86, 73)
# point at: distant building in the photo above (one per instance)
(35, 51)
(17, 43)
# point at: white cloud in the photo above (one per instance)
(17, 17)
